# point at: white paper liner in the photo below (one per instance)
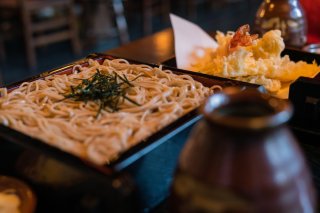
(188, 37)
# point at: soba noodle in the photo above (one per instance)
(39, 109)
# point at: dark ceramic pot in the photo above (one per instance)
(285, 15)
(242, 158)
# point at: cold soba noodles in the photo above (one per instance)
(134, 101)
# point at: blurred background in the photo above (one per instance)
(39, 35)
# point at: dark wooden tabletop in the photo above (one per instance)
(155, 48)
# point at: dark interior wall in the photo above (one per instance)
(211, 15)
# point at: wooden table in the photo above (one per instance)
(155, 48)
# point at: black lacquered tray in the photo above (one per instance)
(137, 181)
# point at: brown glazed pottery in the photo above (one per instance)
(285, 15)
(242, 158)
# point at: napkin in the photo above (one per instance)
(189, 39)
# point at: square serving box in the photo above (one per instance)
(136, 182)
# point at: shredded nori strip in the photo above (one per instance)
(107, 90)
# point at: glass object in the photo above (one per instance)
(242, 158)
(285, 15)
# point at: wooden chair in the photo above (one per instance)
(97, 15)
(152, 8)
(121, 23)
(2, 50)
(192, 6)
(8, 25)
(54, 29)
(2, 58)
(39, 32)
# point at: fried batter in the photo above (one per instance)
(246, 57)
